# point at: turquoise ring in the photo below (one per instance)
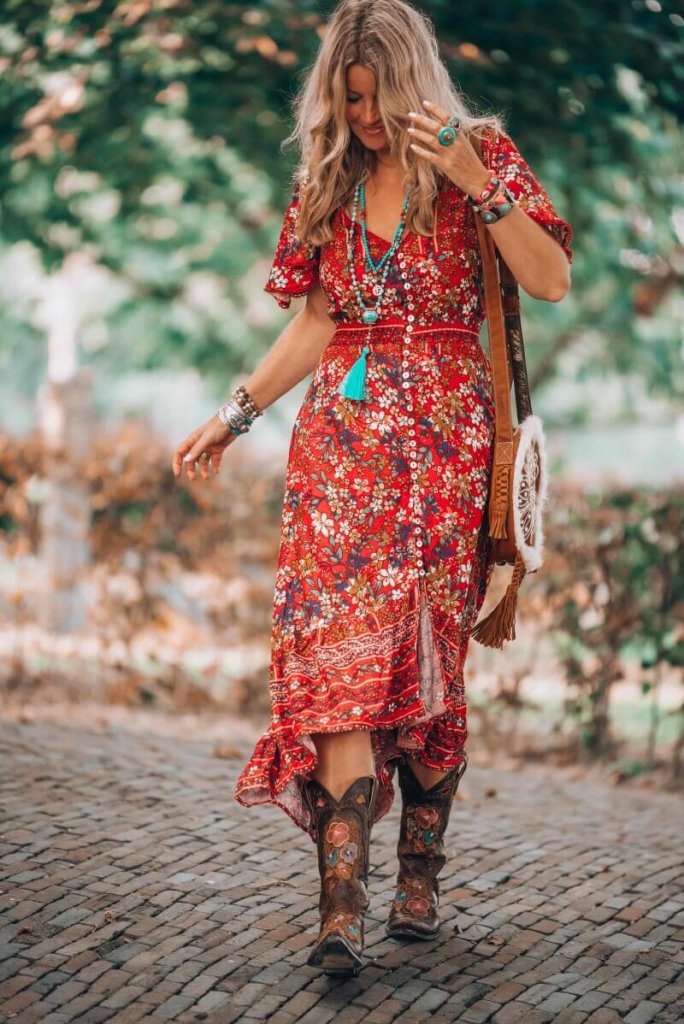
(447, 134)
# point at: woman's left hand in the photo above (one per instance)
(211, 438)
(459, 161)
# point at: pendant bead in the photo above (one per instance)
(354, 384)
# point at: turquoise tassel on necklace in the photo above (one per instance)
(354, 384)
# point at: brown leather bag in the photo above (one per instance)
(519, 480)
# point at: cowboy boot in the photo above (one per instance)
(343, 838)
(424, 818)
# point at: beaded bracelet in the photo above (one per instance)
(494, 202)
(491, 187)
(245, 401)
(234, 418)
(239, 412)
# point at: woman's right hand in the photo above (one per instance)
(212, 437)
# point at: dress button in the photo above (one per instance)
(410, 318)
(405, 384)
(406, 373)
(413, 465)
(409, 328)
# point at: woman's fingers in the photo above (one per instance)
(204, 467)
(213, 438)
(437, 112)
(181, 451)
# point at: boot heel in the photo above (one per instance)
(335, 956)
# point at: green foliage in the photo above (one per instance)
(616, 585)
(147, 135)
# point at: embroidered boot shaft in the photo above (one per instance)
(424, 818)
(343, 838)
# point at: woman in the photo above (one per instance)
(383, 562)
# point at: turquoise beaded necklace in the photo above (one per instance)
(397, 234)
(354, 384)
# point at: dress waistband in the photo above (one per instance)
(357, 332)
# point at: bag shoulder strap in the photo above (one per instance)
(510, 297)
(498, 347)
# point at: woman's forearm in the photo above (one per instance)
(295, 354)
(534, 257)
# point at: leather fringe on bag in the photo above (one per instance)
(499, 625)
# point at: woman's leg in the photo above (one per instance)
(426, 776)
(342, 758)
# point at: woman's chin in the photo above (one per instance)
(382, 146)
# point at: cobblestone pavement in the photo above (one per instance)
(135, 889)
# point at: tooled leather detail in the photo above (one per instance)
(424, 818)
(343, 840)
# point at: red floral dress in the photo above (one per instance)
(383, 566)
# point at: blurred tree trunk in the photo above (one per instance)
(66, 422)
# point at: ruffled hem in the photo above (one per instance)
(284, 298)
(431, 726)
(562, 232)
(265, 781)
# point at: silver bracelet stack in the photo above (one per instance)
(239, 412)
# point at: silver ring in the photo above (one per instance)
(206, 456)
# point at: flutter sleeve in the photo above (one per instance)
(295, 267)
(503, 158)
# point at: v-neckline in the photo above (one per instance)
(384, 241)
(407, 233)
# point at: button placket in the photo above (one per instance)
(414, 498)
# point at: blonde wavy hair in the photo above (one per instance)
(398, 43)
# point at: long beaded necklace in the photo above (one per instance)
(354, 384)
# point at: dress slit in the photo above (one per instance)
(431, 675)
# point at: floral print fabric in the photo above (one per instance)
(383, 560)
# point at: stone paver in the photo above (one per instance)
(134, 888)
